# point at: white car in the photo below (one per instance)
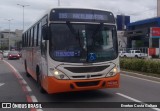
(135, 53)
(5, 53)
(121, 53)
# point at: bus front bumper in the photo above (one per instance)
(57, 86)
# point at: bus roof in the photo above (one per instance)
(50, 9)
(87, 8)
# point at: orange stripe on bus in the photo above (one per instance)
(56, 86)
(53, 85)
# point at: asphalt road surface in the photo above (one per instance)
(16, 87)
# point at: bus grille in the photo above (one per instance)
(84, 84)
(85, 76)
(86, 69)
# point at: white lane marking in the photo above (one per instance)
(135, 100)
(1, 84)
(24, 82)
(34, 99)
(130, 98)
(14, 70)
(39, 110)
(141, 79)
(19, 75)
(28, 89)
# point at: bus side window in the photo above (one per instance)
(32, 37)
(39, 34)
(24, 42)
(43, 47)
(29, 38)
(35, 35)
(23, 39)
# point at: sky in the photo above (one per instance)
(9, 10)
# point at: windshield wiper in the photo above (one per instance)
(71, 28)
(77, 36)
(97, 29)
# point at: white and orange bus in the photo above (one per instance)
(72, 49)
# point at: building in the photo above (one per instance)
(122, 40)
(10, 38)
(138, 34)
(122, 21)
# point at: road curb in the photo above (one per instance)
(141, 76)
(26, 89)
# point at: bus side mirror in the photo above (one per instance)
(45, 32)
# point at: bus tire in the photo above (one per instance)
(136, 56)
(39, 77)
(25, 65)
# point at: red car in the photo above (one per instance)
(13, 55)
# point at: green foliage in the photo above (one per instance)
(142, 65)
(3, 48)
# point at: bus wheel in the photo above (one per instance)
(25, 65)
(136, 56)
(39, 78)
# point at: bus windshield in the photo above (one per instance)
(79, 43)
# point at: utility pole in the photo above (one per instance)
(158, 8)
(58, 2)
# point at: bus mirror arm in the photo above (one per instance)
(45, 32)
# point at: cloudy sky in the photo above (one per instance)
(137, 9)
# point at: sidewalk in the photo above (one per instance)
(139, 75)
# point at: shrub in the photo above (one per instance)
(143, 65)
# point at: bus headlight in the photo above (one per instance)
(58, 74)
(113, 72)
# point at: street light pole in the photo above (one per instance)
(23, 6)
(58, 2)
(158, 8)
(9, 20)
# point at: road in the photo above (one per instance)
(16, 87)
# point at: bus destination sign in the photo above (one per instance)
(77, 15)
(82, 16)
